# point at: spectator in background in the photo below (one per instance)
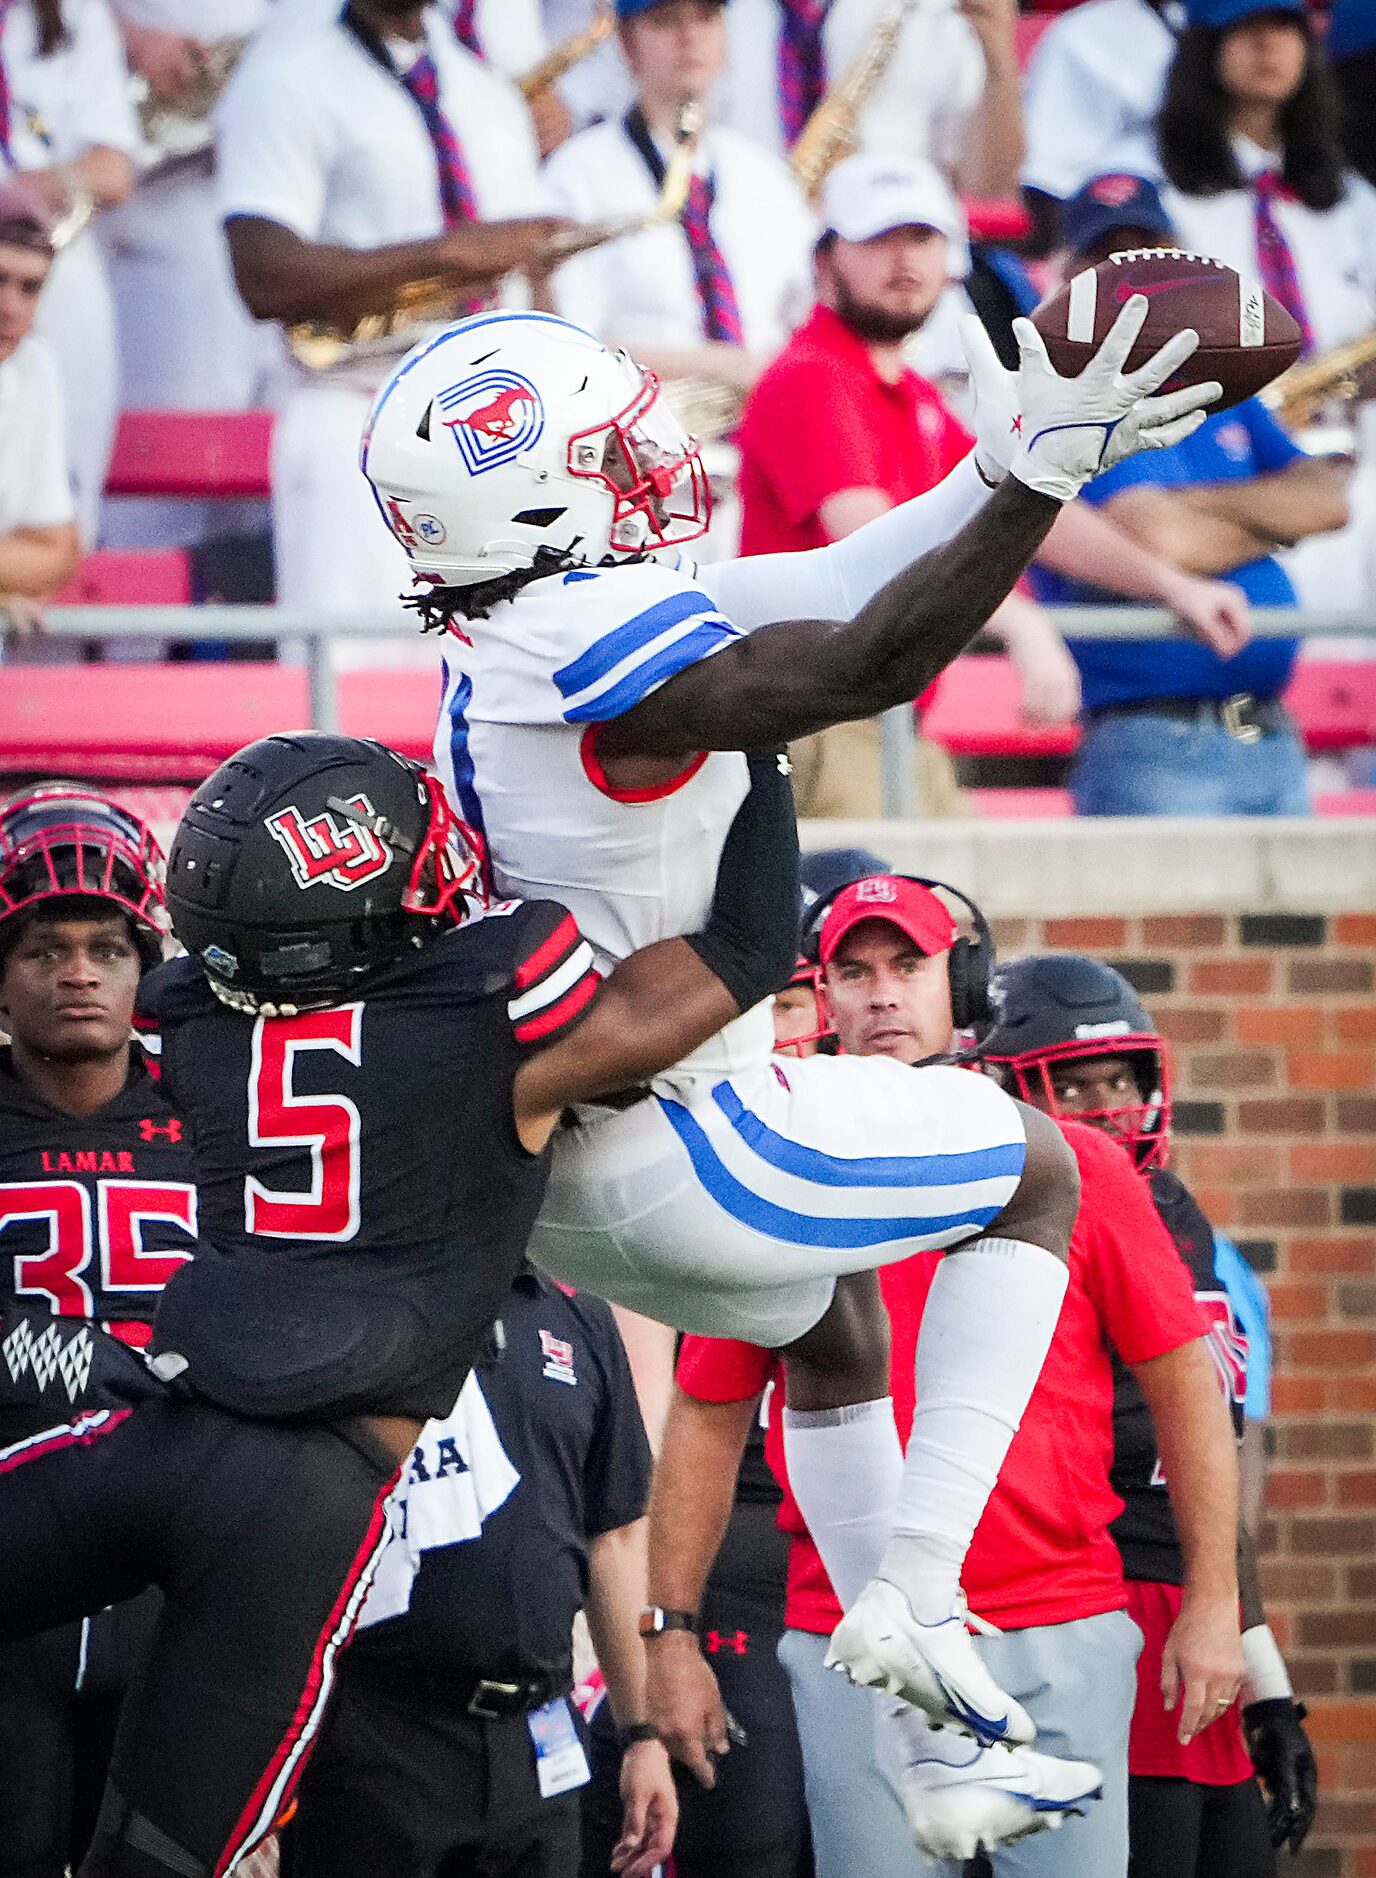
(949, 95)
(67, 124)
(708, 299)
(186, 340)
(839, 429)
(451, 1745)
(1351, 48)
(1181, 728)
(1248, 140)
(354, 156)
(38, 537)
(1091, 92)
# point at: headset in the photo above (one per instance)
(969, 962)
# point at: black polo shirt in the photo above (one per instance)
(565, 1415)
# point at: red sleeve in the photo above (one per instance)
(718, 1369)
(554, 977)
(1142, 1286)
(800, 431)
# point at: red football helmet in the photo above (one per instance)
(813, 1027)
(63, 842)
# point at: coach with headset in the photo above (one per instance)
(897, 978)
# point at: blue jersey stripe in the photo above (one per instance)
(780, 1222)
(876, 1170)
(698, 644)
(461, 757)
(639, 631)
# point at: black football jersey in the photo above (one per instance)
(96, 1212)
(1145, 1530)
(365, 1200)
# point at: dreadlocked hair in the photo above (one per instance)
(438, 606)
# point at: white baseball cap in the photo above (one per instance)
(873, 191)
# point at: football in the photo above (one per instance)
(1245, 337)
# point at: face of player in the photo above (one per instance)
(676, 51)
(22, 274)
(885, 288)
(795, 1017)
(885, 998)
(1087, 1085)
(67, 989)
(1262, 60)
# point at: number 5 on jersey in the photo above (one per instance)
(326, 1126)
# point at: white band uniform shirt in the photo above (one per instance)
(1334, 252)
(1091, 90)
(315, 135)
(74, 99)
(35, 488)
(640, 290)
(920, 107)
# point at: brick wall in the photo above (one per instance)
(1272, 1022)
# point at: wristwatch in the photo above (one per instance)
(654, 1620)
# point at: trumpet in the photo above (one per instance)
(829, 134)
(319, 345)
(1298, 396)
(563, 57)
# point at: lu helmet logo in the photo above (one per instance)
(321, 850)
(492, 417)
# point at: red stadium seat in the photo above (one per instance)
(1020, 804)
(209, 454)
(160, 577)
(992, 219)
(1347, 802)
(975, 713)
(1334, 701)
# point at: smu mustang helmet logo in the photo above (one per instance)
(322, 850)
(492, 417)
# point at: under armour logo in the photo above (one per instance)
(785, 767)
(149, 1130)
(716, 1642)
(49, 1354)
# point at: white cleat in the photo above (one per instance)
(880, 1644)
(999, 1795)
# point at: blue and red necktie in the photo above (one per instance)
(721, 315)
(466, 28)
(1275, 261)
(5, 100)
(456, 188)
(802, 64)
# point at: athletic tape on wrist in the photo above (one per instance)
(1266, 1679)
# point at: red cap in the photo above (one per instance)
(915, 911)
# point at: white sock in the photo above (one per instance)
(844, 1466)
(985, 1333)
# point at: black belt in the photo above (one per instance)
(1242, 715)
(490, 1698)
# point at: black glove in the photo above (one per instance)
(67, 1366)
(751, 937)
(1283, 1758)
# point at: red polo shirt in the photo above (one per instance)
(1042, 1553)
(821, 420)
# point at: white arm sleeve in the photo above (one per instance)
(835, 582)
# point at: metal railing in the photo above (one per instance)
(306, 637)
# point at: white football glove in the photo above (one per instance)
(1055, 433)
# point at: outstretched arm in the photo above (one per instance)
(668, 998)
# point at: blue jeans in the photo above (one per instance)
(1141, 764)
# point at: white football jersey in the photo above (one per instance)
(525, 692)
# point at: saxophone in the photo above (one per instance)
(829, 134)
(321, 344)
(563, 57)
(1299, 395)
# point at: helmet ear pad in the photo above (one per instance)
(970, 965)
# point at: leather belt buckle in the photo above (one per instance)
(1234, 716)
(494, 1701)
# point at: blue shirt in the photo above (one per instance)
(1235, 446)
(1247, 1295)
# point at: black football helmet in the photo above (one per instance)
(63, 842)
(310, 859)
(1060, 1008)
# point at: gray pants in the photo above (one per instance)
(1078, 1682)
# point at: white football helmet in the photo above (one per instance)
(512, 431)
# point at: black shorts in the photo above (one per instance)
(404, 1788)
(1182, 1829)
(263, 1539)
